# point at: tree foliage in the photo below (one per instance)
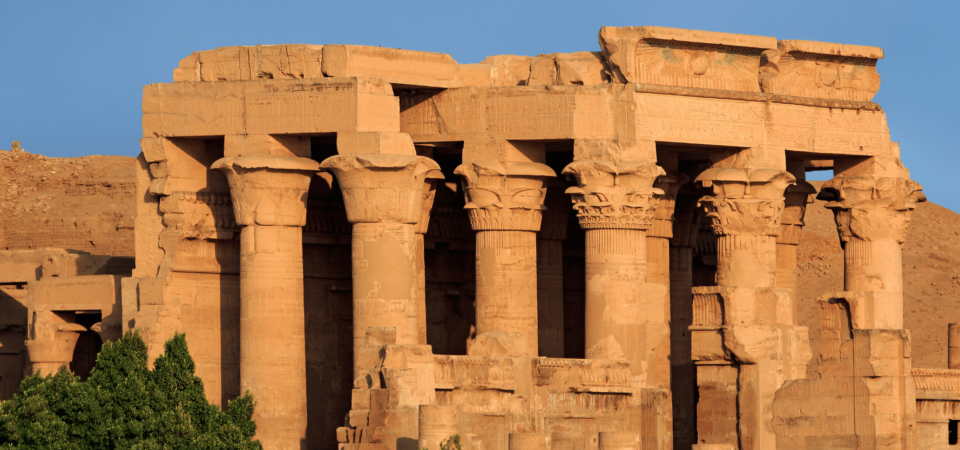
(125, 405)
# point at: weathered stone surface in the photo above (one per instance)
(373, 241)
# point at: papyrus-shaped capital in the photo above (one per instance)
(871, 209)
(505, 195)
(744, 201)
(382, 188)
(616, 196)
(268, 190)
(796, 200)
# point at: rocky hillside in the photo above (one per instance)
(75, 203)
(931, 272)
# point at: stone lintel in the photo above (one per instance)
(283, 106)
(266, 145)
(397, 66)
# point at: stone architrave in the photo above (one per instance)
(384, 198)
(615, 204)
(269, 201)
(505, 205)
(872, 215)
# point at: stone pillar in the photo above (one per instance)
(429, 193)
(269, 202)
(505, 205)
(796, 200)
(756, 331)
(625, 316)
(872, 215)
(383, 195)
(553, 230)
(437, 424)
(953, 346)
(683, 373)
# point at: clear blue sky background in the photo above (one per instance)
(71, 73)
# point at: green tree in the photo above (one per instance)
(125, 405)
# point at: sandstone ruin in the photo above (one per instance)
(590, 250)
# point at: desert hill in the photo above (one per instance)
(82, 203)
(931, 276)
(88, 204)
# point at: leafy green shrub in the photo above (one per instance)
(452, 443)
(124, 405)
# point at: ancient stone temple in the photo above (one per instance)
(590, 250)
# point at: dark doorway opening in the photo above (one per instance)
(88, 345)
(952, 432)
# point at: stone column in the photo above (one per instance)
(796, 200)
(505, 205)
(383, 195)
(756, 319)
(872, 215)
(553, 230)
(269, 202)
(683, 372)
(429, 193)
(625, 316)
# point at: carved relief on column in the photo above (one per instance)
(384, 196)
(505, 205)
(616, 204)
(744, 211)
(872, 215)
(269, 201)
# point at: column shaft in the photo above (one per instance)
(385, 280)
(550, 296)
(746, 260)
(876, 266)
(272, 346)
(421, 298)
(507, 283)
(616, 266)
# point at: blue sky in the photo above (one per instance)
(72, 73)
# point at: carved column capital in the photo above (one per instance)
(745, 202)
(426, 203)
(796, 200)
(615, 196)
(383, 188)
(663, 216)
(871, 209)
(504, 195)
(268, 190)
